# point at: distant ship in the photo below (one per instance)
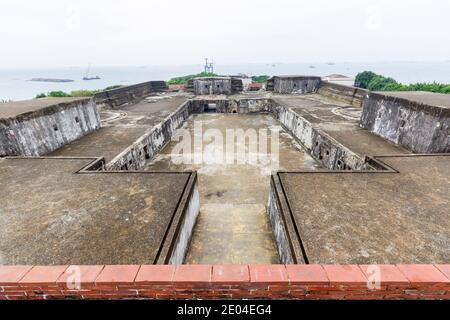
(92, 78)
(87, 77)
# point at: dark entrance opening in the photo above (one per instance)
(210, 108)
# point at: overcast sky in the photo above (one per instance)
(54, 33)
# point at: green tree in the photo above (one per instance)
(260, 78)
(372, 81)
(75, 93)
(379, 83)
(58, 94)
(364, 78)
(83, 93)
(185, 79)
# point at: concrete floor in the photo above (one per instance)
(50, 215)
(373, 217)
(232, 227)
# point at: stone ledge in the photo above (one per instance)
(225, 281)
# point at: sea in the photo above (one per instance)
(15, 84)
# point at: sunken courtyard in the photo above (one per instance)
(301, 172)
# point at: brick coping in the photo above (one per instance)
(355, 282)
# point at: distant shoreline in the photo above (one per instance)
(15, 84)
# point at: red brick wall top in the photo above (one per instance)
(226, 281)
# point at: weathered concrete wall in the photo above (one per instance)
(418, 127)
(323, 148)
(216, 85)
(250, 105)
(212, 86)
(334, 155)
(352, 95)
(184, 237)
(129, 94)
(278, 228)
(147, 146)
(300, 85)
(253, 105)
(221, 105)
(43, 131)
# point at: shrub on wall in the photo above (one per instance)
(185, 79)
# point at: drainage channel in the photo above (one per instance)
(234, 156)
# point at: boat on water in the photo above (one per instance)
(92, 78)
(88, 77)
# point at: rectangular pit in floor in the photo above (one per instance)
(234, 156)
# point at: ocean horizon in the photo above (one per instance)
(15, 84)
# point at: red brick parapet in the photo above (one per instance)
(226, 281)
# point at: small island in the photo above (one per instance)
(51, 80)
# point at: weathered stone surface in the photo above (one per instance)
(123, 126)
(216, 85)
(232, 226)
(334, 127)
(128, 94)
(417, 121)
(50, 215)
(294, 84)
(38, 127)
(352, 95)
(374, 217)
(149, 144)
(333, 212)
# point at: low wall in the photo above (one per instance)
(352, 95)
(322, 147)
(178, 236)
(418, 127)
(351, 282)
(300, 85)
(277, 223)
(146, 147)
(129, 94)
(255, 105)
(222, 105)
(41, 132)
(183, 240)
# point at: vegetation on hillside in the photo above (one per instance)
(185, 79)
(260, 78)
(375, 82)
(75, 93)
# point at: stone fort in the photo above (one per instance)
(91, 185)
